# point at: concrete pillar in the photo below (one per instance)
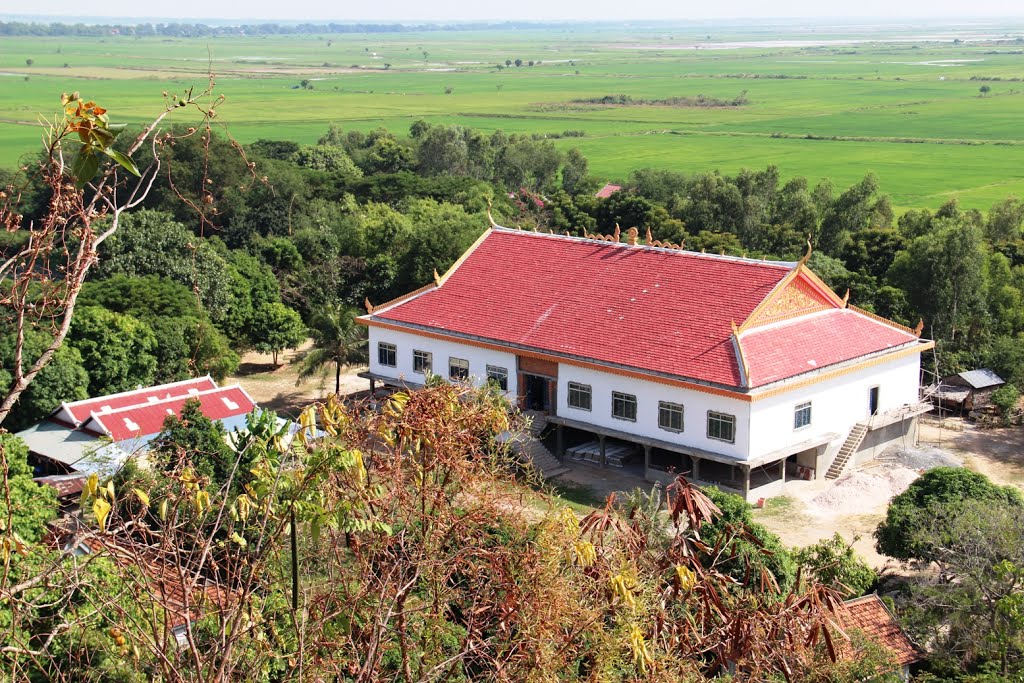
(559, 441)
(600, 440)
(746, 481)
(782, 471)
(373, 387)
(647, 459)
(694, 468)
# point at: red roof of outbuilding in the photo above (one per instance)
(656, 310)
(870, 615)
(607, 191)
(815, 341)
(146, 419)
(79, 411)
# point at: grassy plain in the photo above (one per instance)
(904, 104)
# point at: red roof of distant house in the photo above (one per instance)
(870, 615)
(815, 341)
(607, 191)
(79, 411)
(660, 311)
(148, 418)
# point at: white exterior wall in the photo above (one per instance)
(696, 405)
(479, 358)
(762, 426)
(837, 404)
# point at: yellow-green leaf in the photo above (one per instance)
(142, 496)
(101, 509)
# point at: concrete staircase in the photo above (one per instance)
(531, 450)
(849, 447)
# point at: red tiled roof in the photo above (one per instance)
(607, 191)
(64, 484)
(661, 310)
(80, 410)
(815, 341)
(870, 615)
(148, 418)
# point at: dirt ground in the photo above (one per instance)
(275, 388)
(859, 499)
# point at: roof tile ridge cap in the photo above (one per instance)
(885, 321)
(746, 381)
(141, 390)
(166, 399)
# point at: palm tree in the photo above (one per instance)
(337, 339)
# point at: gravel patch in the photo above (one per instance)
(921, 458)
(871, 488)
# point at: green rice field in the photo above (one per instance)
(836, 102)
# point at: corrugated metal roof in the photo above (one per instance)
(981, 379)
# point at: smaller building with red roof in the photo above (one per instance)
(607, 191)
(736, 372)
(98, 434)
(870, 616)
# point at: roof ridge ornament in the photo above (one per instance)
(807, 256)
(920, 327)
(631, 236)
(437, 278)
(490, 218)
(369, 306)
(846, 298)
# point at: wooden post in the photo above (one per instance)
(647, 459)
(559, 441)
(746, 481)
(600, 440)
(373, 387)
(694, 468)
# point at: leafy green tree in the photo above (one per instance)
(118, 351)
(937, 494)
(527, 163)
(276, 328)
(32, 505)
(441, 232)
(1004, 220)
(63, 379)
(187, 344)
(442, 149)
(858, 208)
(153, 243)
(1006, 399)
(970, 610)
(327, 158)
(943, 273)
(574, 171)
(196, 437)
(337, 339)
(834, 563)
(746, 551)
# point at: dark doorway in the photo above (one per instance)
(873, 401)
(536, 394)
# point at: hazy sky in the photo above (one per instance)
(399, 10)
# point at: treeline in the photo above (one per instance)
(251, 256)
(183, 30)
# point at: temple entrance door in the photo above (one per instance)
(536, 393)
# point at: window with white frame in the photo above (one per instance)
(670, 416)
(579, 396)
(802, 415)
(624, 406)
(721, 427)
(458, 368)
(422, 362)
(387, 354)
(498, 375)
